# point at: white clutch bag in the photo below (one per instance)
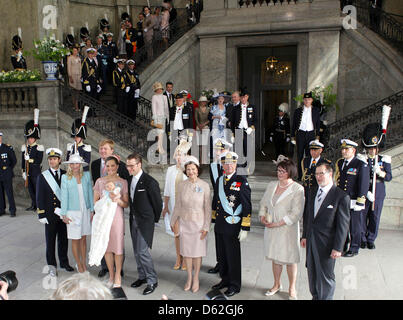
(268, 216)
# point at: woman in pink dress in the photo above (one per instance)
(114, 251)
(193, 212)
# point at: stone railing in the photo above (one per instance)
(260, 3)
(351, 126)
(18, 97)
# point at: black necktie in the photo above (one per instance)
(344, 164)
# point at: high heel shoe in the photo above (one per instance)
(271, 293)
(184, 267)
(187, 286)
(195, 287)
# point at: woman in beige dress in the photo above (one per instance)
(74, 72)
(202, 122)
(159, 106)
(193, 211)
(281, 209)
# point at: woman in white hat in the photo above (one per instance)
(77, 203)
(173, 177)
(193, 212)
(159, 105)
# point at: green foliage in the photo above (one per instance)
(20, 76)
(329, 98)
(48, 49)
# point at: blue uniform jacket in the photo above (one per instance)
(7, 162)
(35, 152)
(385, 165)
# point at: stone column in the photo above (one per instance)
(213, 63)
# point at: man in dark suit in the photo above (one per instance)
(243, 117)
(325, 227)
(145, 211)
(235, 101)
(180, 117)
(352, 176)
(305, 128)
(310, 163)
(7, 164)
(98, 170)
(280, 133)
(48, 198)
(169, 87)
(232, 209)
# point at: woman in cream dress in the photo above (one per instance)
(173, 177)
(74, 73)
(281, 209)
(159, 105)
(193, 212)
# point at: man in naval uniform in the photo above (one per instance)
(7, 164)
(48, 197)
(352, 176)
(132, 80)
(305, 128)
(380, 169)
(79, 133)
(220, 147)
(121, 88)
(310, 163)
(90, 73)
(32, 155)
(232, 215)
(280, 134)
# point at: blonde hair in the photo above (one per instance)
(82, 286)
(107, 141)
(69, 172)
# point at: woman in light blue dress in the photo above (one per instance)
(218, 120)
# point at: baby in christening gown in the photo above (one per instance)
(105, 209)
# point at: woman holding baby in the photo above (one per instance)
(113, 188)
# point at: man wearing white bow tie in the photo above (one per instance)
(326, 222)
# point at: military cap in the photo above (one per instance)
(130, 61)
(179, 96)
(372, 136)
(54, 152)
(79, 128)
(283, 107)
(109, 34)
(70, 40)
(84, 33)
(229, 157)
(104, 24)
(308, 95)
(32, 128)
(91, 50)
(346, 143)
(315, 144)
(220, 143)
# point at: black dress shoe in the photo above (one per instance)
(371, 245)
(102, 273)
(214, 270)
(350, 254)
(363, 245)
(220, 285)
(150, 288)
(230, 292)
(138, 283)
(1, 214)
(67, 268)
(12, 215)
(31, 208)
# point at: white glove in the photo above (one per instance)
(271, 139)
(88, 88)
(24, 176)
(26, 157)
(99, 88)
(379, 171)
(58, 212)
(128, 41)
(358, 207)
(288, 139)
(44, 221)
(249, 130)
(232, 139)
(293, 141)
(242, 235)
(370, 196)
(127, 89)
(137, 93)
(115, 60)
(145, 30)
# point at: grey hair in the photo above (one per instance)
(82, 286)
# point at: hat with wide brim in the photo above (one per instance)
(76, 158)
(203, 98)
(157, 85)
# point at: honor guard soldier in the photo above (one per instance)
(79, 133)
(352, 176)
(305, 128)
(380, 170)
(32, 155)
(280, 134)
(91, 75)
(104, 27)
(17, 59)
(7, 164)
(244, 118)
(133, 82)
(84, 35)
(130, 38)
(232, 210)
(119, 82)
(112, 54)
(220, 147)
(310, 163)
(48, 196)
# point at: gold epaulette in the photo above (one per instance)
(337, 173)
(213, 214)
(40, 211)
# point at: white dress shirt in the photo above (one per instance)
(244, 123)
(325, 191)
(178, 123)
(346, 163)
(56, 171)
(306, 121)
(133, 185)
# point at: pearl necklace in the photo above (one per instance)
(285, 185)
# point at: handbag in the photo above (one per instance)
(158, 125)
(268, 216)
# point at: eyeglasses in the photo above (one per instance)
(281, 171)
(321, 173)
